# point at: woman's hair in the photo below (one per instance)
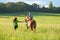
(15, 19)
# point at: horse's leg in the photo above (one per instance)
(31, 28)
(26, 23)
(27, 27)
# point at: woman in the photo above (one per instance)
(15, 23)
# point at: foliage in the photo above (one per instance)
(16, 7)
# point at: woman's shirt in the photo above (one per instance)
(16, 23)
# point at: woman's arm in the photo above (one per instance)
(21, 21)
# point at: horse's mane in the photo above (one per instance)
(27, 16)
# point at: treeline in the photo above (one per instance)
(24, 7)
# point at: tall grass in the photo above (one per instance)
(48, 28)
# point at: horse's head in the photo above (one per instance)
(27, 18)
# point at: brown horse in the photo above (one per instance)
(30, 23)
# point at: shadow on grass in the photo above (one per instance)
(26, 13)
(45, 14)
(4, 17)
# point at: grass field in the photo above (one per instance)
(48, 27)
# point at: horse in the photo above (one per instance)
(30, 23)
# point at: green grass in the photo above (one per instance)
(48, 28)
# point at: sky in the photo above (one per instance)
(40, 2)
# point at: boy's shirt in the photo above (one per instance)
(30, 16)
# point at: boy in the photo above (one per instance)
(30, 15)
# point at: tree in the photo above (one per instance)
(24, 7)
(2, 7)
(35, 5)
(50, 4)
(43, 6)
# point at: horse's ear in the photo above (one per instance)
(26, 16)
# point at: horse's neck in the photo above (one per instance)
(31, 21)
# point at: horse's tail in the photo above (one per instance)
(33, 24)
